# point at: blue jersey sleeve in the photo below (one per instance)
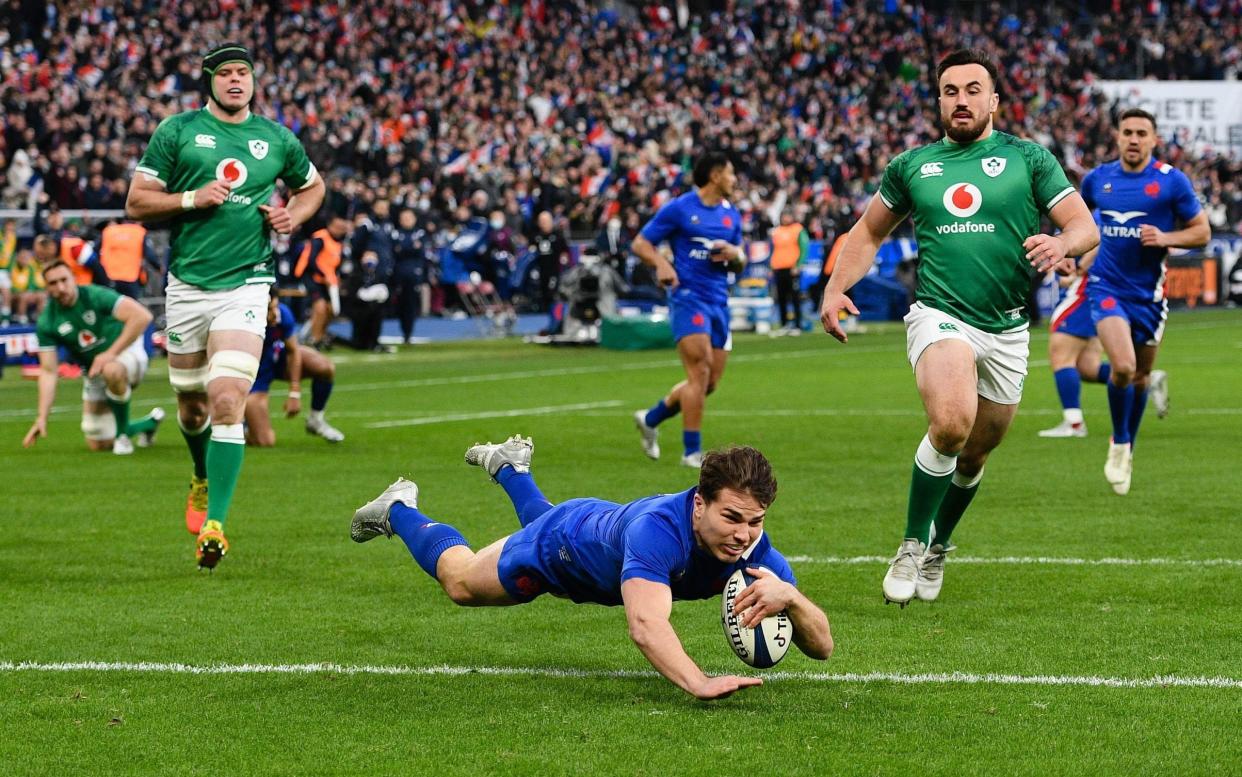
(1088, 189)
(1185, 204)
(664, 223)
(288, 324)
(652, 550)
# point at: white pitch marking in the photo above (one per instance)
(521, 412)
(1035, 561)
(948, 678)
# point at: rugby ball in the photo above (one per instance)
(762, 646)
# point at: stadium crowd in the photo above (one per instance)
(462, 109)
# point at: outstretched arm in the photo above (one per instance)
(1078, 235)
(647, 609)
(854, 261)
(49, 365)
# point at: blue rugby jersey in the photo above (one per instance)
(690, 228)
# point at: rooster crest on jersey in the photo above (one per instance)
(763, 646)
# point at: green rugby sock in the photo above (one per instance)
(933, 472)
(120, 409)
(953, 507)
(224, 462)
(196, 440)
(144, 424)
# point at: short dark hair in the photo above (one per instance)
(1136, 113)
(970, 57)
(707, 164)
(52, 264)
(740, 468)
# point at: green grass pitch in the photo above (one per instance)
(96, 565)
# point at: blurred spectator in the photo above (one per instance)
(318, 269)
(409, 278)
(551, 258)
(29, 295)
(123, 254)
(789, 248)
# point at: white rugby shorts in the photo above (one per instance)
(193, 313)
(1000, 359)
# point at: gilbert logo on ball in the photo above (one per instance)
(764, 645)
(963, 200)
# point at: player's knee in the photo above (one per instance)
(1123, 371)
(188, 381)
(263, 438)
(458, 591)
(711, 385)
(227, 405)
(949, 435)
(99, 429)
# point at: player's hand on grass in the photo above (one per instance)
(1152, 237)
(1047, 252)
(725, 685)
(666, 276)
(293, 406)
(37, 429)
(98, 364)
(211, 195)
(765, 597)
(830, 314)
(278, 218)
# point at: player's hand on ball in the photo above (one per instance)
(725, 685)
(211, 195)
(767, 596)
(1151, 237)
(37, 429)
(1047, 252)
(830, 314)
(278, 218)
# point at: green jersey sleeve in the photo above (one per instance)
(1048, 181)
(161, 154)
(45, 331)
(100, 299)
(298, 172)
(894, 192)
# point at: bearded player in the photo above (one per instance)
(211, 173)
(976, 197)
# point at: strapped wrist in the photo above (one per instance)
(187, 199)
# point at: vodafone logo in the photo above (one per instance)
(234, 173)
(963, 200)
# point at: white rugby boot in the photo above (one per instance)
(650, 435)
(122, 445)
(1117, 467)
(899, 581)
(318, 425)
(1066, 428)
(931, 572)
(1158, 390)
(515, 451)
(371, 520)
(694, 460)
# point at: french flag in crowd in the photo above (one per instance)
(470, 159)
(594, 184)
(602, 140)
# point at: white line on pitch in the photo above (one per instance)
(948, 678)
(545, 410)
(1035, 561)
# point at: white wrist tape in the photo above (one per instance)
(187, 199)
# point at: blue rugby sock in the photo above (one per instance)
(1136, 414)
(1106, 372)
(1069, 387)
(692, 441)
(425, 538)
(660, 413)
(1120, 401)
(528, 501)
(320, 391)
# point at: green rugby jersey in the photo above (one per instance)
(973, 206)
(225, 246)
(87, 327)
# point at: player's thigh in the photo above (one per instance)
(695, 351)
(947, 382)
(720, 357)
(480, 575)
(1117, 341)
(135, 361)
(1064, 350)
(992, 422)
(1145, 359)
(314, 363)
(1003, 365)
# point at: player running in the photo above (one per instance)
(211, 172)
(642, 555)
(285, 359)
(975, 197)
(1140, 201)
(705, 233)
(102, 331)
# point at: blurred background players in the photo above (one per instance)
(790, 243)
(102, 331)
(318, 269)
(409, 281)
(284, 359)
(1140, 202)
(705, 233)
